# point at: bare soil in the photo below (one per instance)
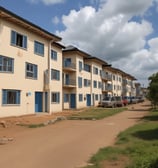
(66, 144)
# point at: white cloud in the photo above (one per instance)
(47, 2)
(55, 20)
(110, 33)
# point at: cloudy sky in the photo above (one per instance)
(122, 32)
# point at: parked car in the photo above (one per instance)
(134, 100)
(125, 102)
(119, 101)
(108, 102)
(140, 99)
(127, 99)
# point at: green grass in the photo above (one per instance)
(32, 125)
(139, 143)
(95, 113)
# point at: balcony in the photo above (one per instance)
(68, 66)
(107, 88)
(69, 83)
(106, 77)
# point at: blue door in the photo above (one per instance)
(88, 96)
(38, 101)
(72, 100)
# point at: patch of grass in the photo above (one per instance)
(139, 143)
(95, 113)
(32, 125)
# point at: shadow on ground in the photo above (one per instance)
(147, 135)
(151, 118)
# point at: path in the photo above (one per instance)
(67, 144)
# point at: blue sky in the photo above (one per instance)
(122, 32)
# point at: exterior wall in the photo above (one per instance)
(117, 84)
(84, 90)
(96, 92)
(56, 86)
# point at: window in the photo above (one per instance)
(31, 71)
(113, 77)
(66, 98)
(96, 97)
(67, 62)
(80, 66)
(39, 48)
(99, 85)
(18, 39)
(80, 97)
(55, 97)
(10, 97)
(55, 74)
(54, 55)
(80, 82)
(95, 84)
(6, 64)
(95, 70)
(87, 82)
(87, 67)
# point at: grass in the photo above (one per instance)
(139, 143)
(95, 113)
(32, 125)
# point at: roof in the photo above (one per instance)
(124, 74)
(71, 48)
(99, 60)
(12, 17)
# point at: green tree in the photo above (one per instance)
(153, 89)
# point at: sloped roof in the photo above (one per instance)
(12, 17)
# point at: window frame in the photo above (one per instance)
(9, 68)
(8, 99)
(16, 41)
(55, 97)
(34, 70)
(79, 82)
(80, 97)
(54, 55)
(94, 84)
(39, 48)
(55, 74)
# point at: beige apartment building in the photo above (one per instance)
(82, 77)
(30, 67)
(38, 74)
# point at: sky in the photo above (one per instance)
(123, 33)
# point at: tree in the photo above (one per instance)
(153, 89)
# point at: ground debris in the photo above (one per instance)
(3, 124)
(5, 140)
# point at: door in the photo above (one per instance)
(67, 78)
(72, 100)
(88, 96)
(38, 101)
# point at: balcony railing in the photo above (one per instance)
(69, 82)
(68, 65)
(105, 76)
(107, 88)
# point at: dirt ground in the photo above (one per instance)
(65, 144)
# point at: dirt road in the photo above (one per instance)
(67, 144)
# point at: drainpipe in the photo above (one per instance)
(49, 77)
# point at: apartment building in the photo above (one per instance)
(82, 77)
(30, 67)
(128, 85)
(40, 75)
